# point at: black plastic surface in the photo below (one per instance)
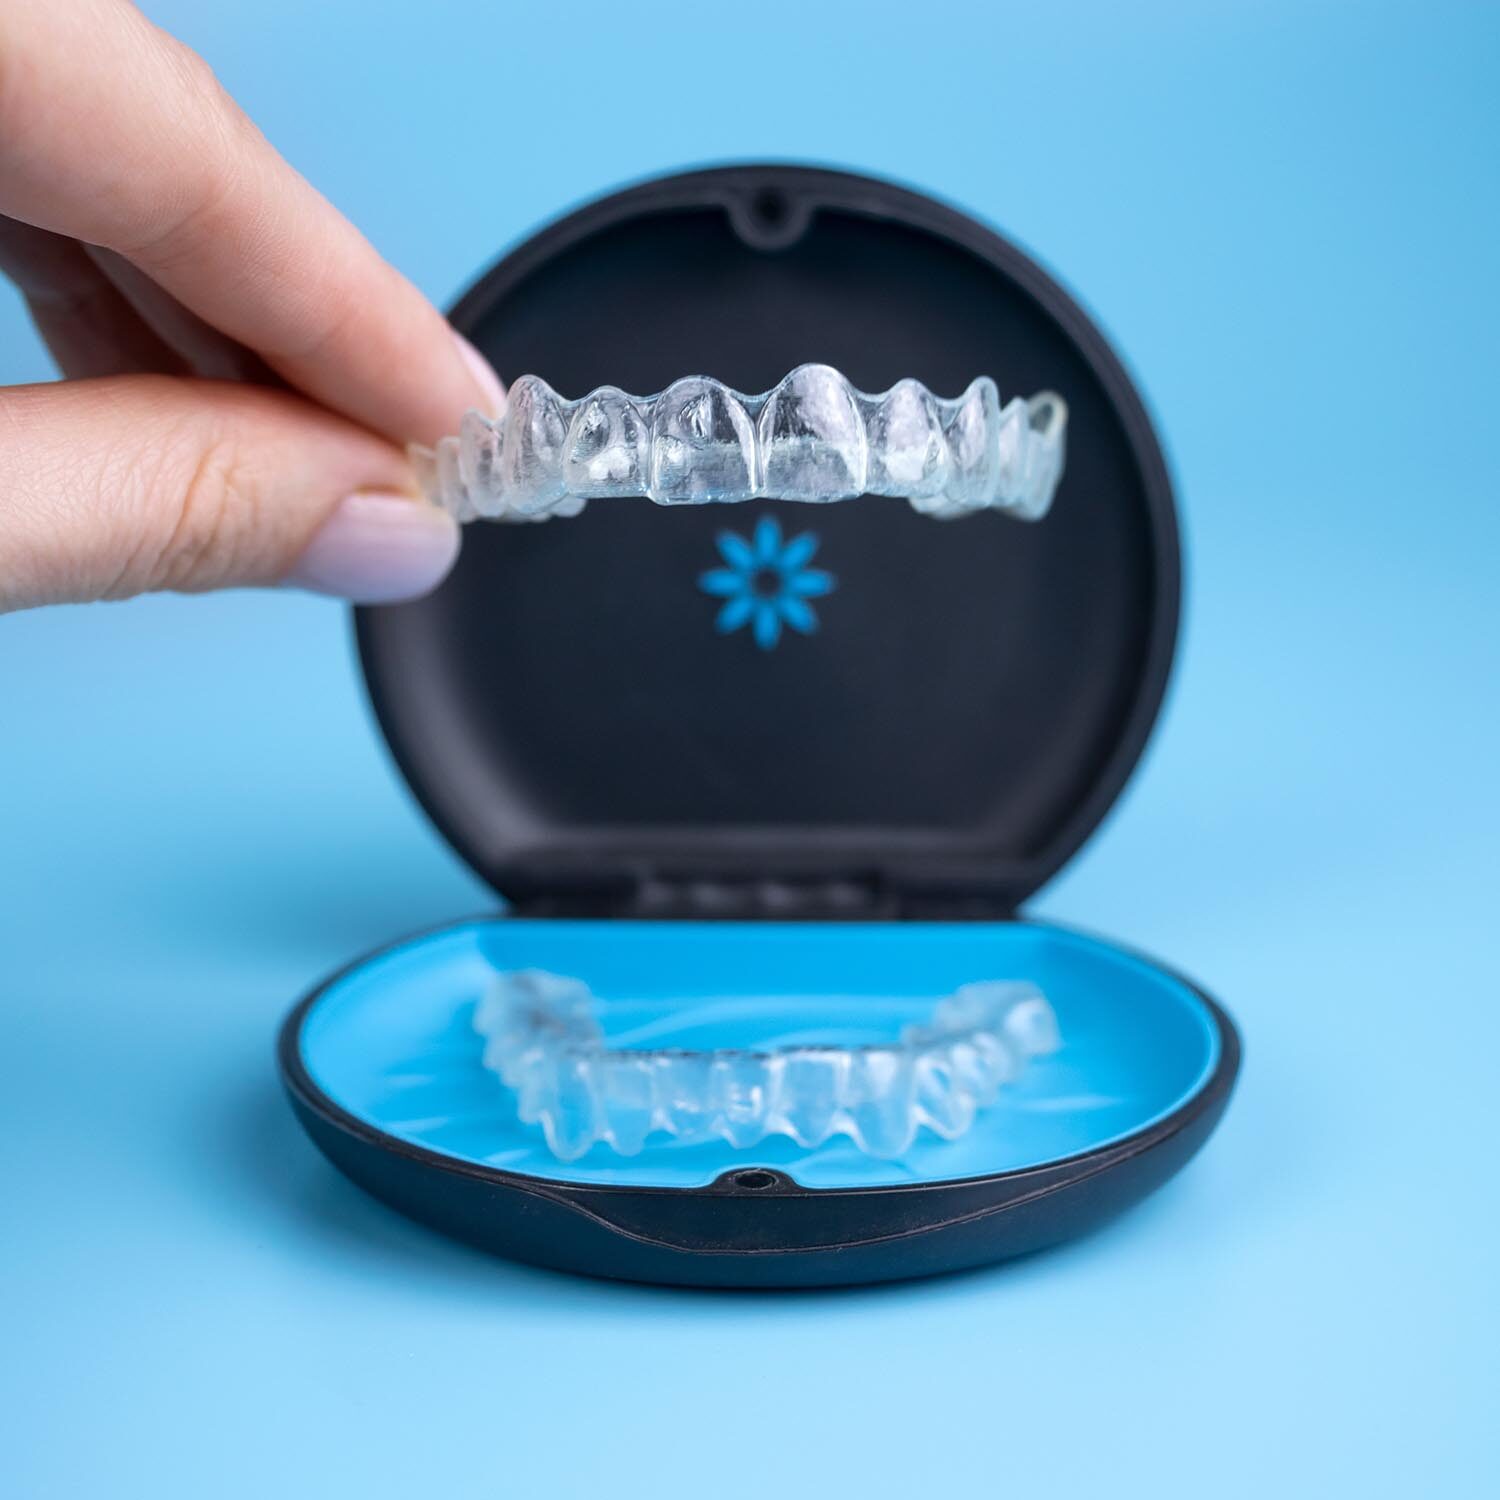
(978, 691)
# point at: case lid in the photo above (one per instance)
(971, 695)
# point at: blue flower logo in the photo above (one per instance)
(766, 583)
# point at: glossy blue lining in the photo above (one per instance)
(390, 1040)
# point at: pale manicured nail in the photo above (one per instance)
(375, 549)
(484, 377)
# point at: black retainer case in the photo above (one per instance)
(679, 815)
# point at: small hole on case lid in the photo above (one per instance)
(771, 208)
(769, 218)
(755, 1180)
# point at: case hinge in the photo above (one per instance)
(763, 898)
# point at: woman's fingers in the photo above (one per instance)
(116, 135)
(120, 486)
(87, 322)
(152, 228)
(100, 315)
(204, 350)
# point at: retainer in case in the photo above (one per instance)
(764, 785)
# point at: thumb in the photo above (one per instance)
(116, 487)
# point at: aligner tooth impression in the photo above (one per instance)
(702, 445)
(543, 1038)
(813, 438)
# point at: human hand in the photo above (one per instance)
(243, 368)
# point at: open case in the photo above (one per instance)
(684, 816)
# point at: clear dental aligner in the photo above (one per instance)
(542, 1036)
(813, 438)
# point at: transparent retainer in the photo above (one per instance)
(543, 1038)
(813, 438)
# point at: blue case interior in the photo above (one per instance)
(390, 1041)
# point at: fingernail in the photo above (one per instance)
(484, 377)
(375, 549)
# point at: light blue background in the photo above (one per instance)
(1286, 216)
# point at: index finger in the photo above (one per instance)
(114, 133)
